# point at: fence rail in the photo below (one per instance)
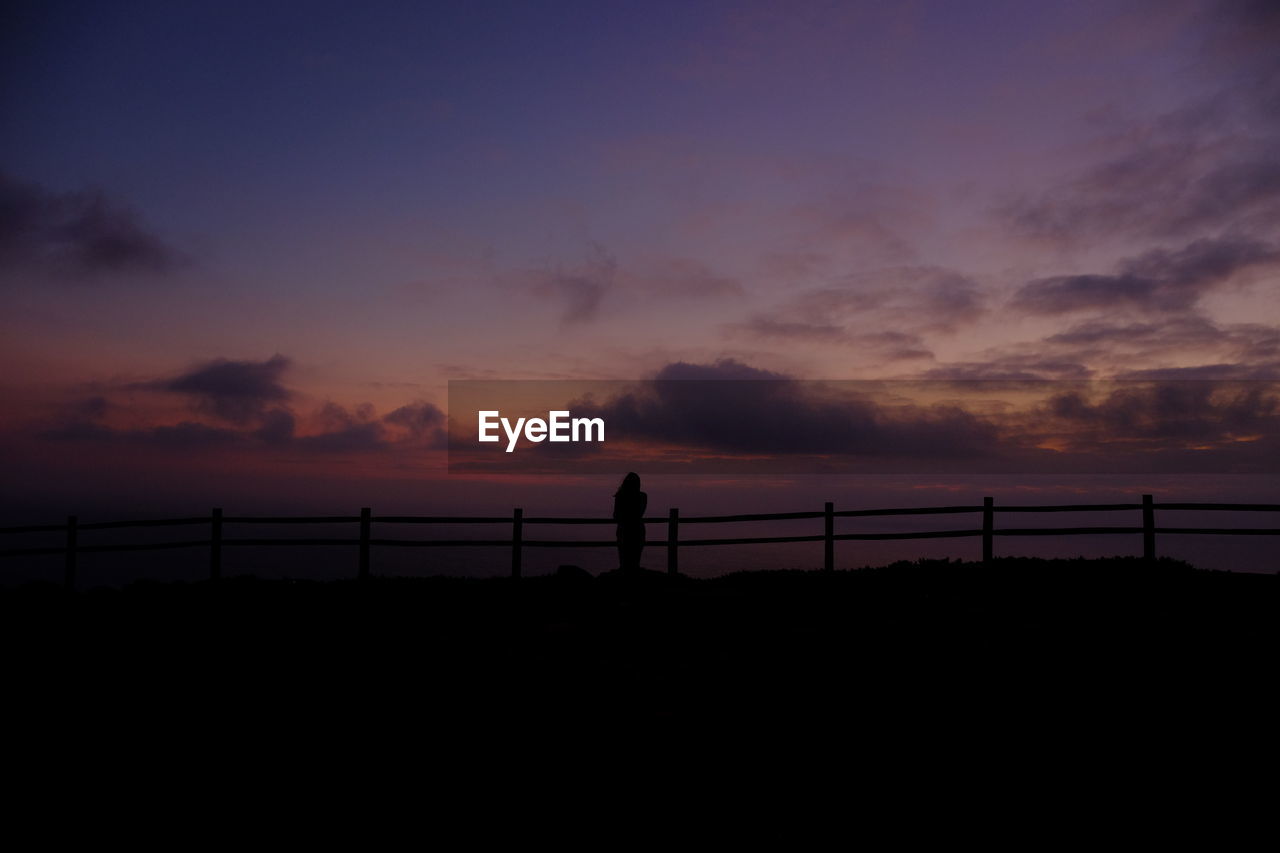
(364, 541)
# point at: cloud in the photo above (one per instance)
(730, 416)
(186, 435)
(1158, 281)
(725, 368)
(1208, 372)
(1168, 187)
(894, 346)
(1205, 260)
(81, 234)
(341, 430)
(919, 297)
(1010, 368)
(423, 422)
(581, 296)
(1179, 332)
(1165, 346)
(359, 429)
(252, 403)
(793, 266)
(686, 279)
(277, 427)
(578, 291)
(1194, 411)
(1208, 166)
(766, 328)
(236, 391)
(853, 233)
(885, 313)
(344, 431)
(1245, 35)
(733, 407)
(889, 345)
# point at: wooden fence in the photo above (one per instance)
(215, 522)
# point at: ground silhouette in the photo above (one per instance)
(920, 673)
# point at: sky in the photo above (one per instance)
(245, 246)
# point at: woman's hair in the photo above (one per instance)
(630, 483)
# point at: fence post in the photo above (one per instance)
(215, 544)
(365, 519)
(673, 539)
(988, 525)
(1148, 528)
(69, 572)
(829, 544)
(517, 536)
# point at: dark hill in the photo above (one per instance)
(889, 676)
(655, 647)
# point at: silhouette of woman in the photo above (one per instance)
(629, 504)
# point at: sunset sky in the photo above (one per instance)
(245, 246)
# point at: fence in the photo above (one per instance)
(673, 543)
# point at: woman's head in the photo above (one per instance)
(630, 483)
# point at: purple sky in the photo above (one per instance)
(256, 240)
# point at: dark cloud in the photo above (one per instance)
(1170, 189)
(1208, 166)
(335, 417)
(1159, 411)
(732, 407)
(356, 438)
(90, 409)
(79, 420)
(277, 427)
(767, 328)
(1180, 344)
(1177, 332)
(948, 296)
(237, 391)
(342, 431)
(424, 422)
(1243, 36)
(725, 368)
(187, 435)
(1204, 175)
(893, 346)
(1203, 261)
(1010, 368)
(1060, 294)
(250, 396)
(1158, 281)
(80, 234)
(729, 417)
(1208, 372)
